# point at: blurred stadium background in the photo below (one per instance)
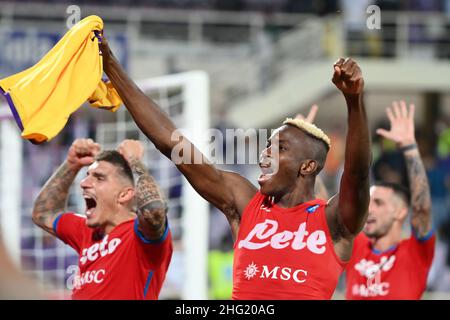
(260, 61)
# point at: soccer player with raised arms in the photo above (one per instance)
(124, 253)
(288, 244)
(383, 264)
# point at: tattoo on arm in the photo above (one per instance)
(420, 193)
(53, 197)
(151, 205)
(138, 167)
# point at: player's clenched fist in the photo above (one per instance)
(131, 150)
(82, 153)
(348, 77)
(106, 52)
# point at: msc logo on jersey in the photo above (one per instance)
(372, 271)
(275, 273)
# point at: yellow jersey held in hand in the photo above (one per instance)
(43, 97)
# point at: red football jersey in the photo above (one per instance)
(397, 273)
(284, 253)
(121, 265)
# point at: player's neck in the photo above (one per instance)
(391, 239)
(119, 218)
(300, 194)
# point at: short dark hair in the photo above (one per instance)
(399, 190)
(117, 160)
(318, 149)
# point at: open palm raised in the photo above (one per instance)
(402, 124)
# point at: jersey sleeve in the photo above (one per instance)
(422, 249)
(70, 228)
(158, 251)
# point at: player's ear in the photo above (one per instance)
(308, 167)
(402, 213)
(126, 195)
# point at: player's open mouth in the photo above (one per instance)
(267, 172)
(91, 204)
(370, 221)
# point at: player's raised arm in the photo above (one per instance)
(52, 198)
(150, 202)
(227, 191)
(402, 133)
(348, 209)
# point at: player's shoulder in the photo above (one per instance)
(73, 215)
(415, 239)
(77, 215)
(132, 227)
(70, 216)
(361, 241)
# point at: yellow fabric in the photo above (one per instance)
(46, 94)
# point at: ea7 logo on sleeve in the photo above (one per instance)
(298, 240)
(99, 249)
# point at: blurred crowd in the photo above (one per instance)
(319, 7)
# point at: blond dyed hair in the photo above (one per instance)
(310, 129)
